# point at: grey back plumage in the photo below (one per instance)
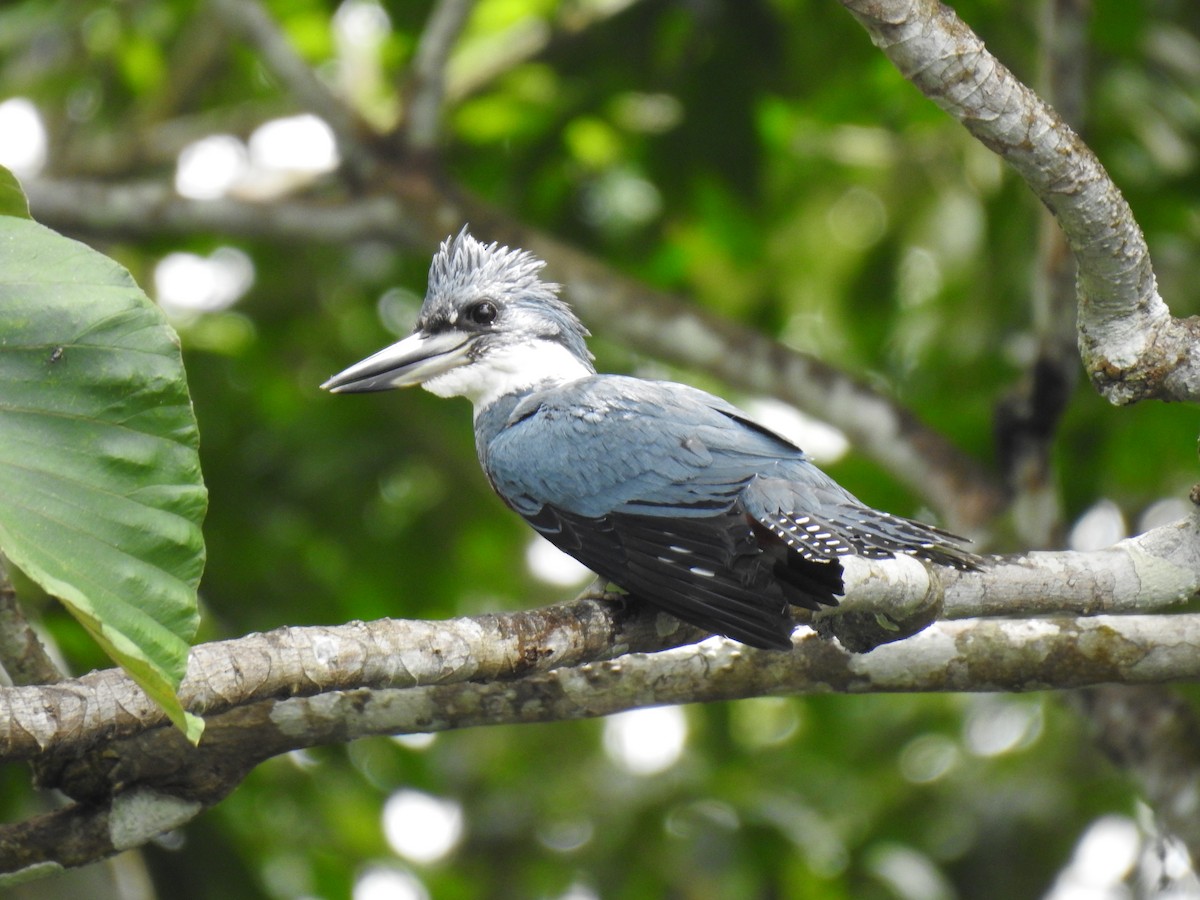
(680, 498)
(613, 444)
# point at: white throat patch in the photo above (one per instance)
(507, 370)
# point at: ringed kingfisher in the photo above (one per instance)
(672, 494)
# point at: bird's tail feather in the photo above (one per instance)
(863, 531)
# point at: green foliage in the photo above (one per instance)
(758, 158)
(100, 491)
(12, 198)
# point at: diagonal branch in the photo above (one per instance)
(524, 40)
(1132, 347)
(425, 90)
(251, 21)
(22, 655)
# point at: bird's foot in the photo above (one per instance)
(605, 591)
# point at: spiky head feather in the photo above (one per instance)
(465, 270)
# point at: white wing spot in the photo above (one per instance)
(707, 573)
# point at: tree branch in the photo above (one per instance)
(1027, 418)
(1131, 346)
(885, 601)
(81, 833)
(178, 780)
(1154, 735)
(395, 676)
(525, 40)
(145, 209)
(71, 715)
(425, 90)
(22, 655)
(249, 20)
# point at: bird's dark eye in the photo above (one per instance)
(483, 313)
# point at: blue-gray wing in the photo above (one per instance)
(641, 481)
(682, 500)
(609, 444)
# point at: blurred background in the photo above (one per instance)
(759, 159)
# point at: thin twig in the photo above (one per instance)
(425, 89)
(1027, 418)
(21, 652)
(525, 40)
(250, 20)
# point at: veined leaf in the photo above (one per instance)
(12, 198)
(101, 496)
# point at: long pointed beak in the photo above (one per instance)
(413, 360)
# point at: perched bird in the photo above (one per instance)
(672, 494)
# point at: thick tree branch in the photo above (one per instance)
(885, 601)
(890, 600)
(69, 716)
(176, 781)
(1131, 346)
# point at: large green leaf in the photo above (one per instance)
(12, 198)
(101, 497)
